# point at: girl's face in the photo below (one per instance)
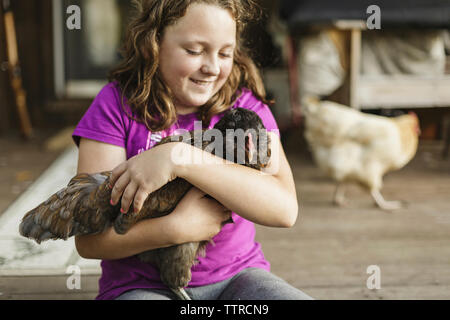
(196, 55)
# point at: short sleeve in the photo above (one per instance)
(250, 102)
(105, 120)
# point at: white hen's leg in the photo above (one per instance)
(382, 203)
(339, 195)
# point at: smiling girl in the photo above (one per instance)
(184, 61)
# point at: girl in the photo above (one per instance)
(184, 62)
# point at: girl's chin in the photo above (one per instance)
(197, 100)
(182, 110)
(190, 106)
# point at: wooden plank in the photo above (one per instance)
(355, 63)
(350, 24)
(61, 141)
(51, 296)
(47, 272)
(83, 89)
(23, 285)
(404, 91)
(5, 87)
(326, 254)
(15, 73)
(13, 56)
(428, 292)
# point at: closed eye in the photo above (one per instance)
(226, 55)
(192, 52)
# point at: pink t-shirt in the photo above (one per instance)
(235, 247)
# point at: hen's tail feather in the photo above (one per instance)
(30, 229)
(71, 211)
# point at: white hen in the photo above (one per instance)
(351, 146)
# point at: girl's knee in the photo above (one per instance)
(144, 294)
(259, 284)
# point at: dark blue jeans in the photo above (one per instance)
(249, 284)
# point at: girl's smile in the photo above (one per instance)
(196, 55)
(206, 86)
(202, 83)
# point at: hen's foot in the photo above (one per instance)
(341, 202)
(383, 204)
(339, 198)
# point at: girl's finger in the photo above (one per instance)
(139, 199)
(119, 187)
(116, 173)
(128, 196)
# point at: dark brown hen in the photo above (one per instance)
(83, 206)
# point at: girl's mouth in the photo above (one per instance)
(202, 83)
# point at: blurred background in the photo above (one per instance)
(379, 63)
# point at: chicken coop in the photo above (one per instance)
(347, 57)
(403, 63)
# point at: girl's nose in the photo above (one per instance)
(211, 67)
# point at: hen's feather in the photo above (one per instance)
(80, 208)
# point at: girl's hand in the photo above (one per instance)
(197, 218)
(135, 179)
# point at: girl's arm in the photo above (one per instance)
(269, 199)
(184, 224)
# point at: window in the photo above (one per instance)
(84, 56)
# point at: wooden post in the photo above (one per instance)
(4, 84)
(355, 66)
(15, 72)
(355, 28)
(293, 80)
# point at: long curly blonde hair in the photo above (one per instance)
(138, 73)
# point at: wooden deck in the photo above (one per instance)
(328, 251)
